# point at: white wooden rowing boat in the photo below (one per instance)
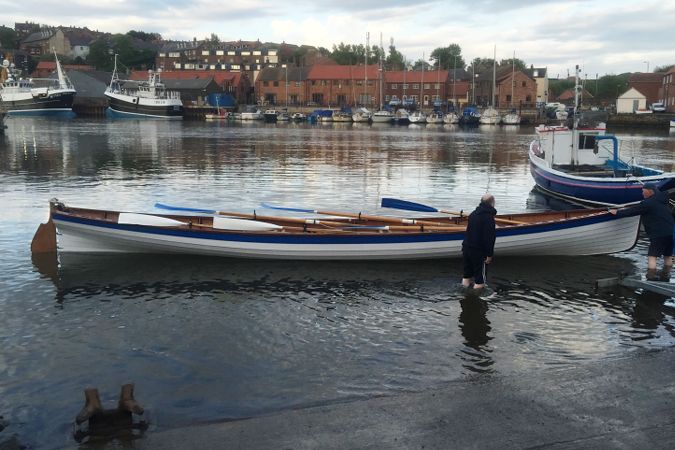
(581, 232)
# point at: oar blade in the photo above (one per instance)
(183, 208)
(286, 208)
(396, 203)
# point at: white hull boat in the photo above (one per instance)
(451, 118)
(418, 117)
(490, 117)
(358, 237)
(382, 116)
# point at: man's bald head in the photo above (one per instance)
(488, 199)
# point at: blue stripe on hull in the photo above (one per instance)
(335, 239)
(615, 192)
(42, 112)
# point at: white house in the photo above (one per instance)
(630, 101)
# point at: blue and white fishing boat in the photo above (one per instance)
(582, 164)
(342, 236)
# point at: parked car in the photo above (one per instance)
(658, 107)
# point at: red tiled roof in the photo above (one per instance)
(415, 76)
(568, 94)
(218, 76)
(51, 65)
(335, 72)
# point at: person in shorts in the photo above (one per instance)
(657, 220)
(479, 242)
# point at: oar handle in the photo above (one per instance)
(497, 219)
(384, 219)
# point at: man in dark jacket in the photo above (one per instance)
(479, 242)
(658, 223)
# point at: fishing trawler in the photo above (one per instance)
(35, 96)
(142, 99)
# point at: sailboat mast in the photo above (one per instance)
(494, 75)
(513, 76)
(422, 82)
(114, 73)
(381, 71)
(454, 75)
(62, 79)
(365, 69)
(438, 79)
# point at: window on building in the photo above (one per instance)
(271, 99)
(394, 86)
(426, 99)
(387, 98)
(528, 99)
(370, 82)
(437, 86)
(298, 84)
(508, 98)
(413, 98)
(405, 85)
(293, 98)
(341, 99)
(359, 82)
(427, 86)
(416, 86)
(524, 84)
(313, 82)
(336, 82)
(347, 82)
(276, 84)
(324, 83)
(317, 98)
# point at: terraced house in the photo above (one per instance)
(282, 85)
(333, 85)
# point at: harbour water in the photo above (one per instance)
(209, 339)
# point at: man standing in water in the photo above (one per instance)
(479, 242)
(658, 222)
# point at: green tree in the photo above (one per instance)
(663, 69)
(520, 64)
(557, 87)
(449, 57)
(420, 63)
(99, 55)
(480, 65)
(7, 38)
(395, 59)
(143, 36)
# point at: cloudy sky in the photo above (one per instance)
(603, 36)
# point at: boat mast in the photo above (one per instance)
(64, 83)
(422, 83)
(576, 93)
(513, 76)
(438, 81)
(114, 74)
(494, 75)
(381, 71)
(365, 69)
(454, 75)
(405, 70)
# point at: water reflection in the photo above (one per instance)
(475, 328)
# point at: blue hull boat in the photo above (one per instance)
(583, 165)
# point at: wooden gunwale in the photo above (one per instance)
(336, 225)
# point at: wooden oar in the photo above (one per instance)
(396, 203)
(253, 216)
(360, 216)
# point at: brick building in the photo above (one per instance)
(199, 55)
(649, 84)
(42, 42)
(524, 89)
(416, 87)
(270, 86)
(334, 85)
(667, 91)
